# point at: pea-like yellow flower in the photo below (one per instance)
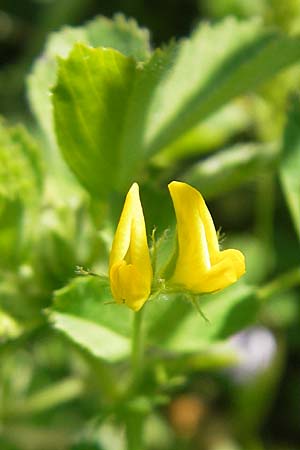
(201, 266)
(130, 270)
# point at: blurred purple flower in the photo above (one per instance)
(255, 348)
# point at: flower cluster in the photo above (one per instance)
(200, 267)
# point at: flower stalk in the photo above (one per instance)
(137, 349)
(134, 431)
(134, 419)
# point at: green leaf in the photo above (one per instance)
(231, 167)
(90, 104)
(86, 312)
(197, 76)
(289, 169)
(99, 340)
(209, 134)
(48, 397)
(119, 33)
(112, 113)
(228, 312)
(81, 311)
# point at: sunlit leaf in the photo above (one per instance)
(90, 105)
(81, 312)
(86, 313)
(197, 76)
(119, 33)
(112, 113)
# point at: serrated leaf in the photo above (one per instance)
(289, 168)
(199, 75)
(119, 33)
(99, 340)
(90, 103)
(80, 311)
(91, 299)
(86, 312)
(104, 124)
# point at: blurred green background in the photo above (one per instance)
(53, 392)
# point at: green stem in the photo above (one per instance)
(134, 419)
(137, 348)
(134, 431)
(281, 283)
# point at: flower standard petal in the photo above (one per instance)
(192, 244)
(121, 240)
(130, 269)
(200, 266)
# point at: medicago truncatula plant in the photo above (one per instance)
(119, 112)
(199, 267)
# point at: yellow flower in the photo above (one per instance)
(130, 269)
(200, 265)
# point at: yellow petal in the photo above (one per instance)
(200, 266)
(229, 268)
(130, 269)
(193, 249)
